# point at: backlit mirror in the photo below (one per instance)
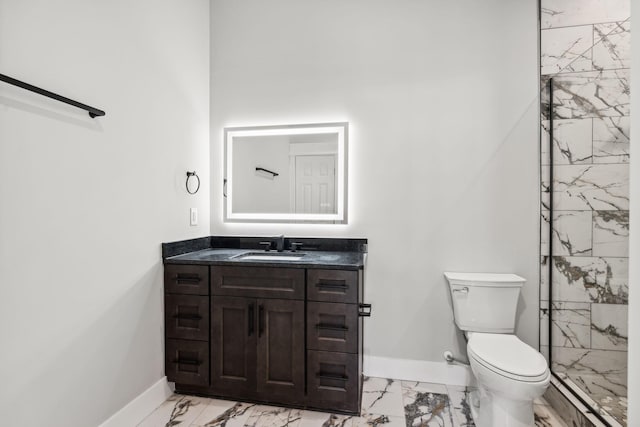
(293, 173)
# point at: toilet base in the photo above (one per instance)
(490, 410)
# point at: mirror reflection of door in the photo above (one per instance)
(315, 184)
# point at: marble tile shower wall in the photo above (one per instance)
(585, 47)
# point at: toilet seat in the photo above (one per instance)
(507, 356)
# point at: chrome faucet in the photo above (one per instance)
(280, 243)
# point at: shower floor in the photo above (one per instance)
(606, 394)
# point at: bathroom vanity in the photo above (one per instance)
(259, 325)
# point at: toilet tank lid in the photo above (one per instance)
(487, 278)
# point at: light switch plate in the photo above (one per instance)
(193, 216)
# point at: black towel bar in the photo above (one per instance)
(267, 171)
(93, 112)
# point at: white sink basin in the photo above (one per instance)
(267, 256)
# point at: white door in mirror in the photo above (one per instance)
(193, 216)
(315, 187)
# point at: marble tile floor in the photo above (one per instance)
(597, 389)
(385, 403)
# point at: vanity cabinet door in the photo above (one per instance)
(233, 345)
(281, 349)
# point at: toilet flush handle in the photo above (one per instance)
(464, 290)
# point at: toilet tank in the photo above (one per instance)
(485, 302)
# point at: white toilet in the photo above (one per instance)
(510, 374)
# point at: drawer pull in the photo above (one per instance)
(332, 377)
(332, 327)
(186, 279)
(187, 316)
(364, 310)
(187, 362)
(329, 285)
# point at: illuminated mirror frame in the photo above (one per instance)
(340, 217)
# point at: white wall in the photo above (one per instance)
(634, 237)
(442, 101)
(256, 191)
(86, 203)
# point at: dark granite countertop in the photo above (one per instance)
(343, 260)
(349, 254)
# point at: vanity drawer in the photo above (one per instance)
(258, 282)
(186, 317)
(332, 285)
(333, 380)
(186, 279)
(332, 327)
(187, 362)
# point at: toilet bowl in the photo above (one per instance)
(510, 374)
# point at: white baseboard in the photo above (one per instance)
(145, 403)
(417, 370)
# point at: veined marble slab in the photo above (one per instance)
(611, 139)
(591, 279)
(422, 406)
(324, 419)
(564, 13)
(566, 49)
(609, 330)
(177, 410)
(224, 413)
(572, 141)
(612, 45)
(611, 233)
(544, 417)
(614, 406)
(595, 371)
(425, 407)
(571, 232)
(587, 187)
(588, 94)
(586, 141)
(460, 404)
(571, 324)
(382, 396)
(274, 416)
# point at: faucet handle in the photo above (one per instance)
(267, 245)
(295, 246)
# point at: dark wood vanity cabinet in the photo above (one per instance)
(288, 336)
